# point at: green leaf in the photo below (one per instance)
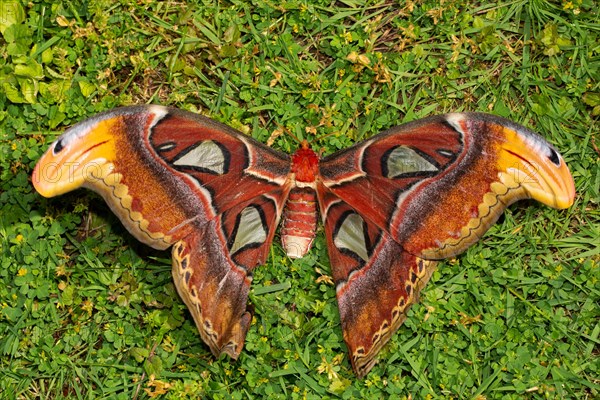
(54, 91)
(19, 39)
(591, 99)
(552, 40)
(139, 353)
(11, 13)
(153, 366)
(232, 34)
(68, 295)
(87, 88)
(12, 313)
(29, 89)
(13, 94)
(228, 50)
(30, 69)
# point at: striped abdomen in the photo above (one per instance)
(299, 222)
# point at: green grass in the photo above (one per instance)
(87, 312)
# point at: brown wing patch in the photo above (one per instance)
(215, 291)
(374, 301)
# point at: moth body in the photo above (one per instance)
(300, 215)
(299, 225)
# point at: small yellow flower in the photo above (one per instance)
(87, 306)
(156, 388)
(61, 270)
(22, 272)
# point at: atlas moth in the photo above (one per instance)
(391, 206)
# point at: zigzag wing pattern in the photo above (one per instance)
(245, 186)
(376, 279)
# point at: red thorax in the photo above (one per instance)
(305, 163)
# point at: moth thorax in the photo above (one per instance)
(305, 164)
(299, 222)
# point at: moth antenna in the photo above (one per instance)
(280, 129)
(303, 143)
(286, 130)
(326, 135)
(317, 139)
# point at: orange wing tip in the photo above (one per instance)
(44, 178)
(86, 151)
(55, 178)
(52, 178)
(82, 155)
(528, 161)
(555, 189)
